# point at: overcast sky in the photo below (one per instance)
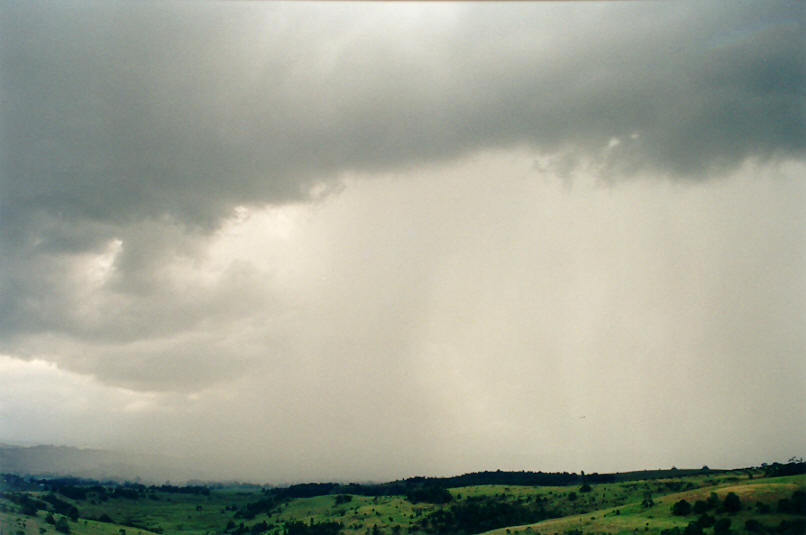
(312, 241)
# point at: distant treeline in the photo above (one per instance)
(424, 488)
(433, 489)
(81, 489)
(416, 489)
(792, 468)
(500, 477)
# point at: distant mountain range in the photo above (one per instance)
(105, 465)
(90, 463)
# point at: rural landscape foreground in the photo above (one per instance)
(767, 499)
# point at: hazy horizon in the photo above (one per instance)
(366, 241)
(151, 468)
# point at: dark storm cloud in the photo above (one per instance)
(149, 123)
(118, 112)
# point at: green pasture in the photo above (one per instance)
(633, 518)
(616, 508)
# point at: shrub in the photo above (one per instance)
(62, 525)
(752, 525)
(700, 507)
(792, 527)
(722, 525)
(783, 505)
(795, 505)
(693, 528)
(763, 508)
(706, 521)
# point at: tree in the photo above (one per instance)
(585, 488)
(343, 498)
(681, 508)
(732, 504)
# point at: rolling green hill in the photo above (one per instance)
(706, 502)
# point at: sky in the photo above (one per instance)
(363, 241)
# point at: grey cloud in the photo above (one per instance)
(116, 112)
(149, 123)
(442, 322)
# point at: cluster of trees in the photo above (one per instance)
(289, 528)
(793, 467)
(251, 510)
(429, 494)
(60, 525)
(62, 507)
(84, 489)
(15, 482)
(731, 504)
(198, 490)
(796, 504)
(260, 527)
(50, 503)
(501, 477)
(308, 490)
(341, 499)
(481, 514)
(723, 526)
(312, 528)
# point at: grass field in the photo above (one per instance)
(635, 518)
(616, 508)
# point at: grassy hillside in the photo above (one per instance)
(625, 506)
(759, 501)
